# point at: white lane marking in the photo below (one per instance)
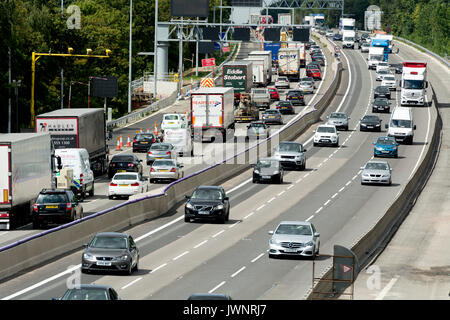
(334, 195)
(259, 208)
(386, 289)
(240, 185)
(257, 257)
(318, 210)
(157, 268)
(328, 201)
(426, 140)
(237, 272)
(269, 201)
(131, 283)
(178, 257)
(234, 224)
(218, 233)
(306, 175)
(249, 215)
(56, 276)
(3, 233)
(290, 187)
(349, 82)
(320, 164)
(200, 244)
(348, 183)
(299, 180)
(281, 193)
(356, 176)
(159, 228)
(340, 190)
(309, 218)
(217, 287)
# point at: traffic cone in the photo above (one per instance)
(156, 129)
(128, 141)
(121, 142)
(118, 144)
(148, 130)
(141, 130)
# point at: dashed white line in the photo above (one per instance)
(269, 201)
(334, 195)
(328, 201)
(290, 187)
(178, 257)
(249, 215)
(307, 175)
(356, 176)
(258, 257)
(299, 180)
(318, 210)
(259, 208)
(157, 268)
(281, 193)
(217, 287)
(237, 272)
(348, 183)
(309, 218)
(386, 289)
(234, 224)
(218, 233)
(340, 190)
(131, 283)
(200, 244)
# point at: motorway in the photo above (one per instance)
(178, 259)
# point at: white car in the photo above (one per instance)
(165, 170)
(365, 47)
(382, 65)
(389, 81)
(329, 33)
(306, 87)
(125, 184)
(326, 135)
(173, 121)
(282, 82)
(380, 74)
(376, 172)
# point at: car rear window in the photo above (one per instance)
(52, 198)
(125, 177)
(86, 294)
(160, 147)
(122, 159)
(161, 163)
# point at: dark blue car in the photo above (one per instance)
(385, 147)
(337, 37)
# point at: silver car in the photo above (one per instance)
(380, 74)
(306, 87)
(291, 154)
(339, 120)
(297, 238)
(282, 82)
(272, 116)
(161, 151)
(165, 170)
(376, 172)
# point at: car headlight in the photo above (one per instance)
(308, 244)
(379, 148)
(219, 207)
(363, 124)
(189, 206)
(121, 258)
(385, 175)
(276, 172)
(377, 125)
(87, 256)
(273, 241)
(365, 175)
(256, 171)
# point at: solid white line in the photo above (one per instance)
(386, 289)
(269, 201)
(309, 218)
(161, 266)
(131, 283)
(328, 201)
(200, 244)
(334, 196)
(217, 287)
(426, 140)
(259, 208)
(240, 185)
(178, 257)
(249, 215)
(237, 272)
(218, 233)
(318, 210)
(257, 257)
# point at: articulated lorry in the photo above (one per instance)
(302, 47)
(78, 128)
(212, 111)
(259, 71)
(289, 62)
(267, 55)
(239, 76)
(413, 83)
(27, 165)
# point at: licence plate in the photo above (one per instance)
(51, 207)
(124, 185)
(385, 151)
(171, 122)
(158, 158)
(121, 170)
(290, 250)
(283, 107)
(266, 177)
(203, 212)
(271, 117)
(104, 263)
(163, 170)
(144, 142)
(369, 127)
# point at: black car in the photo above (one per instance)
(143, 141)
(295, 97)
(398, 67)
(90, 292)
(207, 202)
(124, 163)
(337, 37)
(55, 206)
(381, 105)
(382, 91)
(285, 107)
(370, 122)
(269, 170)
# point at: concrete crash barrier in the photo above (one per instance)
(40, 248)
(372, 242)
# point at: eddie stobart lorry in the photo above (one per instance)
(239, 76)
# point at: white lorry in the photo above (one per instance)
(346, 24)
(413, 83)
(267, 55)
(258, 70)
(212, 111)
(301, 46)
(181, 139)
(26, 167)
(376, 55)
(289, 62)
(348, 39)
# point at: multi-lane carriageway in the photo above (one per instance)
(178, 259)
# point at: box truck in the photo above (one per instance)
(239, 76)
(274, 48)
(27, 165)
(259, 71)
(289, 62)
(267, 55)
(376, 55)
(413, 83)
(78, 128)
(212, 111)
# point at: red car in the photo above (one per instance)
(314, 73)
(274, 94)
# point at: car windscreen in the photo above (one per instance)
(171, 117)
(390, 78)
(385, 141)
(108, 242)
(338, 115)
(289, 147)
(163, 163)
(147, 136)
(305, 83)
(85, 294)
(400, 123)
(381, 102)
(125, 177)
(267, 164)
(271, 111)
(326, 129)
(376, 166)
(207, 194)
(160, 147)
(122, 159)
(294, 229)
(413, 84)
(376, 57)
(370, 119)
(52, 198)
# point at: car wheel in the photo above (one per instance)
(390, 182)
(36, 224)
(130, 269)
(186, 219)
(152, 180)
(136, 267)
(91, 192)
(396, 155)
(85, 271)
(110, 197)
(314, 144)
(222, 219)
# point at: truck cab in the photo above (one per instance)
(376, 55)
(348, 39)
(260, 98)
(413, 83)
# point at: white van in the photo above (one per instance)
(401, 125)
(173, 121)
(78, 160)
(181, 139)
